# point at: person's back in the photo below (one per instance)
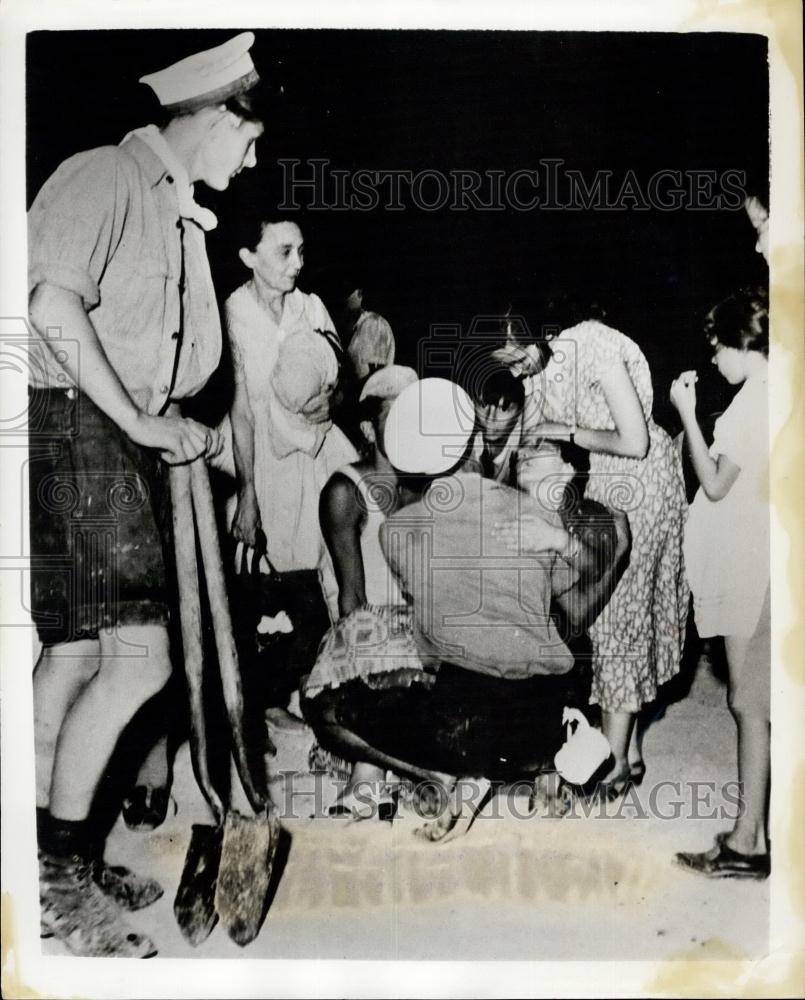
(475, 603)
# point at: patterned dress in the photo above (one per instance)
(638, 638)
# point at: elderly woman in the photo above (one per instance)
(285, 445)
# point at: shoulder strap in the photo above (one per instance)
(180, 331)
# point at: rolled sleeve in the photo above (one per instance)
(76, 223)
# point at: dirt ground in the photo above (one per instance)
(515, 887)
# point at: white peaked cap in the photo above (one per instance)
(206, 77)
(428, 427)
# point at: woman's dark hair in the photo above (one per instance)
(741, 321)
(594, 526)
(563, 310)
(496, 384)
(252, 229)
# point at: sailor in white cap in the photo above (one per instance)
(118, 264)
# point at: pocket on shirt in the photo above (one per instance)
(142, 301)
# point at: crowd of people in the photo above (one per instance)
(486, 557)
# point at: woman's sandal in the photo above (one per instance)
(722, 861)
(145, 808)
(436, 831)
(611, 789)
(637, 772)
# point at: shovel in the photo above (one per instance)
(228, 866)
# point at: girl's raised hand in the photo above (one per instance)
(683, 392)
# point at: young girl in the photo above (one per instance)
(361, 648)
(727, 559)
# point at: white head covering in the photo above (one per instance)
(428, 427)
(388, 382)
(207, 77)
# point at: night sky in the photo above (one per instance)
(414, 100)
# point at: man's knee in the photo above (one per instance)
(136, 659)
(71, 662)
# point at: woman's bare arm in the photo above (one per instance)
(630, 436)
(247, 514)
(587, 598)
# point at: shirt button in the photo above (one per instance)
(175, 335)
(164, 390)
(178, 223)
(169, 179)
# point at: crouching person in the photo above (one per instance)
(484, 618)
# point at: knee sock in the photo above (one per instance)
(63, 837)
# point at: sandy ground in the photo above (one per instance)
(580, 887)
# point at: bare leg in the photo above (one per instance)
(96, 719)
(366, 774)
(155, 769)
(617, 727)
(361, 798)
(352, 746)
(62, 672)
(749, 833)
(635, 753)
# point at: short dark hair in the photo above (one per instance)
(592, 523)
(248, 106)
(253, 228)
(741, 321)
(497, 384)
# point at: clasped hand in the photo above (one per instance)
(683, 392)
(178, 439)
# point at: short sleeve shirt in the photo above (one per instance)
(106, 226)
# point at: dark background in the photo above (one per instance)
(466, 100)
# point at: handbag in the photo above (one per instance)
(281, 617)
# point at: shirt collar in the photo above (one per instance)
(188, 206)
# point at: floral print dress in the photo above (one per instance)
(638, 638)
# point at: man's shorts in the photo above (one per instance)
(100, 522)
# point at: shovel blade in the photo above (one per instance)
(247, 856)
(194, 906)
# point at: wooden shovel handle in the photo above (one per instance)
(184, 536)
(222, 626)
